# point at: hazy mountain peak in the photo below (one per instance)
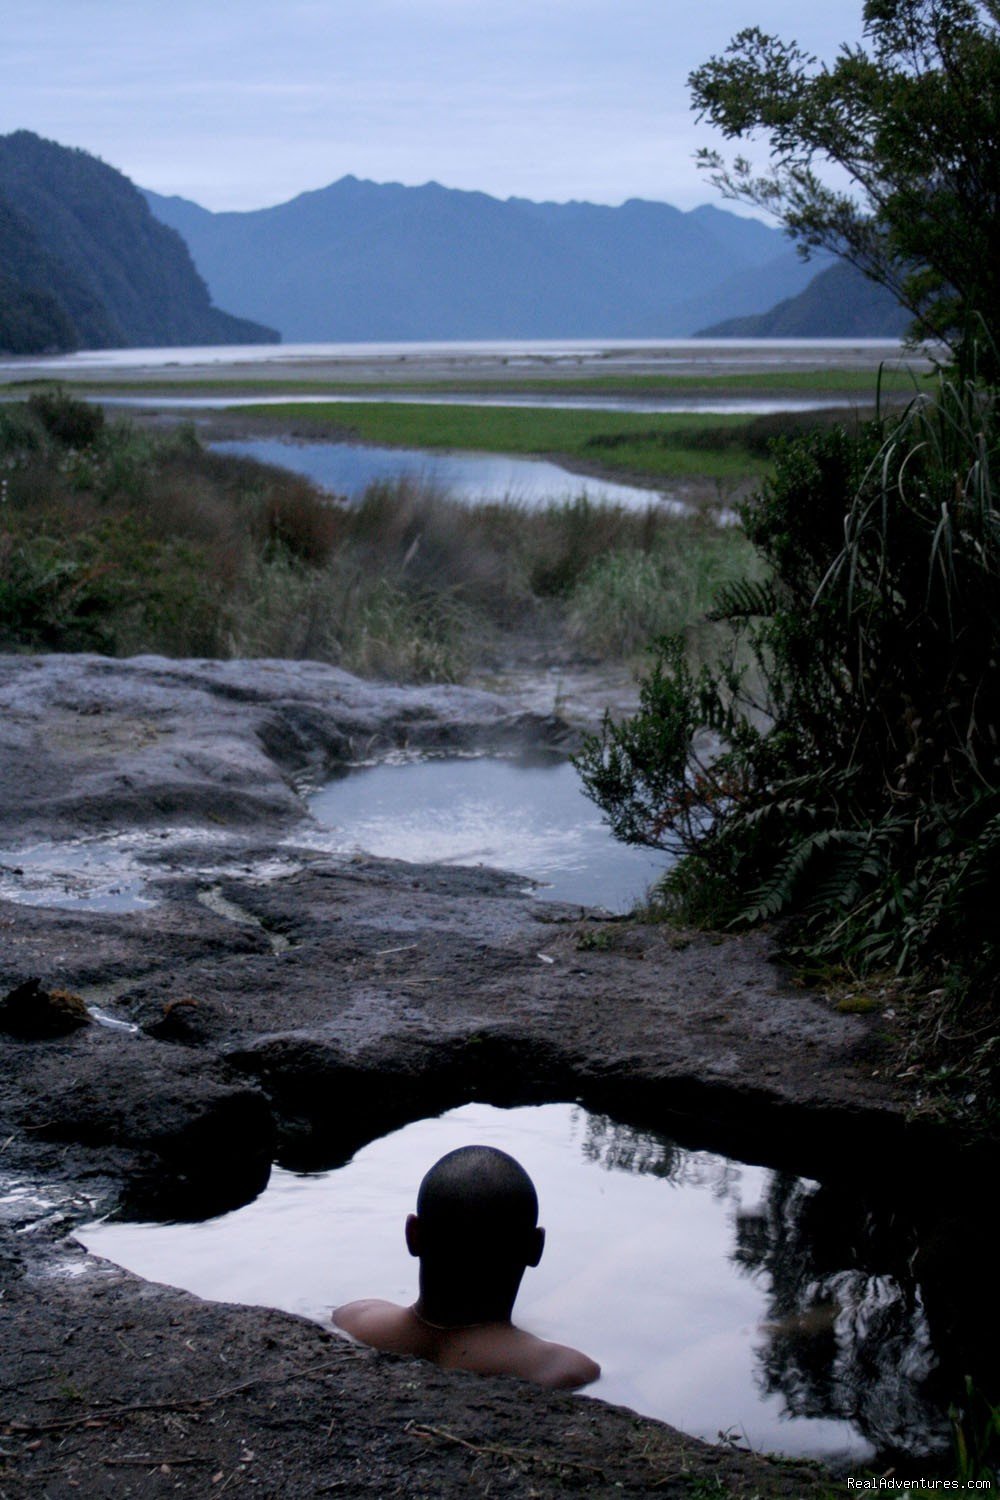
(362, 260)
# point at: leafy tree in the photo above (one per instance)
(912, 117)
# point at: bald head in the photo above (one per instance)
(475, 1231)
(477, 1192)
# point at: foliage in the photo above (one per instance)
(116, 539)
(853, 783)
(976, 1428)
(628, 596)
(75, 424)
(913, 120)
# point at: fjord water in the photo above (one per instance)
(678, 355)
(717, 1296)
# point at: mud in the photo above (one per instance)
(287, 1004)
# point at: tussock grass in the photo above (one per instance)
(628, 597)
(117, 540)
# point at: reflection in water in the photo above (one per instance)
(847, 1333)
(625, 1148)
(349, 468)
(531, 819)
(715, 1295)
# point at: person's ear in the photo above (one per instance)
(413, 1234)
(536, 1244)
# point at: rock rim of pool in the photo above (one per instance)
(310, 1003)
(92, 744)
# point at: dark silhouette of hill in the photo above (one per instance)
(363, 260)
(84, 262)
(839, 302)
(42, 306)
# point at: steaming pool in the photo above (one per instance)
(529, 817)
(720, 1297)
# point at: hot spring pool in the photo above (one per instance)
(718, 1296)
(530, 818)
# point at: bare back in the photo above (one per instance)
(483, 1348)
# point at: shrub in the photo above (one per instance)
(856, 790)
(71, 422)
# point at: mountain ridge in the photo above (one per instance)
(839, 302)
(357, 260)
(87, 263)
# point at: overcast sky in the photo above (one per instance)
(248, 103)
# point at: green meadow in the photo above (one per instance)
(654, 445)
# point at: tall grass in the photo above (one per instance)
(117, 540)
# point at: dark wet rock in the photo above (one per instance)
(295, 1002)
(187, 1139)
(34, 1014)
(184, 1020)
(90, 744)
(131, 1389)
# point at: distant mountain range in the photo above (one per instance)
(89, 260)
(84, 263)
(838, 303)
(362, 260)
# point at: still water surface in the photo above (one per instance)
(531, 819)
(757, 406)
(697, 1282)
(349, 468)
(752, 353)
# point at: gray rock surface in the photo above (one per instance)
(277, 1000)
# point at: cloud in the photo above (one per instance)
(549, 98)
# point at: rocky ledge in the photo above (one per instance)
(276, 1001)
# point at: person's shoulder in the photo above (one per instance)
(564, 1369)
(374, 1321)
(554, 1365)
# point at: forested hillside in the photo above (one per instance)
(41, 305)
(83, 262)
(839, 303)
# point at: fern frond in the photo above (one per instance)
(744, 599)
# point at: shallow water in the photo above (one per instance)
(78, 875)
(349, 468)
(717, 1296)
(528, 818)
(748, 406)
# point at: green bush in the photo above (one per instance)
(73, 423)
(855, 785)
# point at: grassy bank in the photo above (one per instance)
(859, 383)
(725, 450)
(118, 540)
